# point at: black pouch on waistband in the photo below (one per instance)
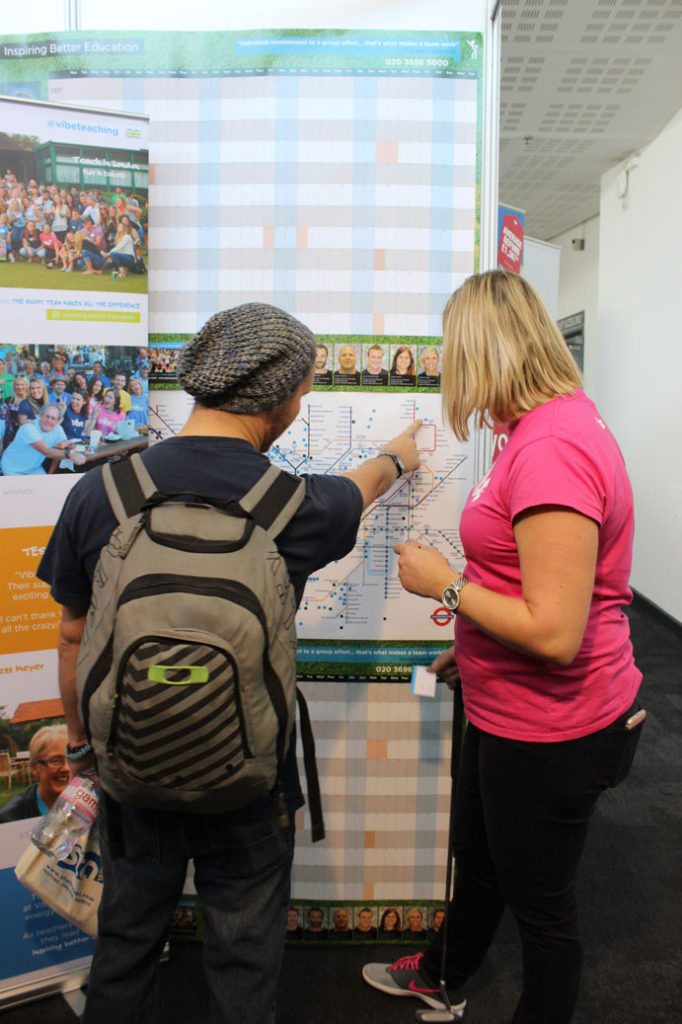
(620, 744)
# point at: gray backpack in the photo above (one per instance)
(187, 671)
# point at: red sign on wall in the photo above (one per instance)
(510, 245)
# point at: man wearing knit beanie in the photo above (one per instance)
(248, 359)
(248, 369)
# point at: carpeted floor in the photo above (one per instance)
(630, 892)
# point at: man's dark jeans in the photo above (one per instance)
(522, 815)
(242, 872)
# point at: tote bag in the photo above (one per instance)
(72, 887)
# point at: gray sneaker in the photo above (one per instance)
(405, 978)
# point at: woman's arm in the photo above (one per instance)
(557, 554)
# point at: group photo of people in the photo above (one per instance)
(163, 361)
(52, 228)
(59, 404)
(371, 922)
(384, 363)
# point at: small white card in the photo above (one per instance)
(423, 682)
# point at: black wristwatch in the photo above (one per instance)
(451, 594)
(395, 459)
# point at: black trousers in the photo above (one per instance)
(522, 815)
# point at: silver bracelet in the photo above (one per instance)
(78, 753)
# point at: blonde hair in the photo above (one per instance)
(503, 355)
(425, 352)
(43, 739)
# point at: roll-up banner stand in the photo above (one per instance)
(65, 172)
(348, 174)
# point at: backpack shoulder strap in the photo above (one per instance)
(274, 500)
(128, 485)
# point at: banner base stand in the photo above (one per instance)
(76, 1000)
(64, 982)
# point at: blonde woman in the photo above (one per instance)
(429, 361)
(122, 255)
(31, 407)
(70, 254)
(47, 753)
(543, 648)
(9, 411)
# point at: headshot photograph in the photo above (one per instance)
(365, 924)
(436, 918)
(390, 925)
(429, 367)
(346, 371)
(341, 924)
(323, 373)
(415, 926)
(374, 372)
(315, 924)
(403, 366)
(294, 927)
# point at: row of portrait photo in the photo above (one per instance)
(335, 922)
(368, 922)
(67, 407)
(386, 363)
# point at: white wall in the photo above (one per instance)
(541, 270)
(578, 289)
(639, 355)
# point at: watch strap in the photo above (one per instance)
(395, 459)
(456, 586)
(78, 753)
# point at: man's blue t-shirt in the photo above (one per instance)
(323, 530)
(20, 458)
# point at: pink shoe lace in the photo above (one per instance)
(407, 963)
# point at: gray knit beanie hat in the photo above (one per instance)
(247, 359)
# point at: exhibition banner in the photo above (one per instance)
(335, 174)
(37, 944)
(73, 394)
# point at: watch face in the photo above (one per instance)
(450, 598)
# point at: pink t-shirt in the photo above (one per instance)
(107, 420)
(561, 453)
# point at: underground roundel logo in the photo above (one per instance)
(442, 616)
